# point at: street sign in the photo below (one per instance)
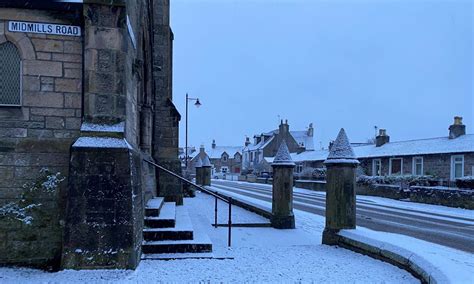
(44, 28)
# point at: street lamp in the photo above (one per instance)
(197, 104)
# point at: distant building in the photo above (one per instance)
(266, 145)
(224, 159)
(446, 158)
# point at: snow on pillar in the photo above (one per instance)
(282, 200)
(340, 194)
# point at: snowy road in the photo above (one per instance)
(450, 227)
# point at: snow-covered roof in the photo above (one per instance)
(302, 138)
(260, 145)
(442, 145)
(216, 153)
(269, 159)
(317, 155)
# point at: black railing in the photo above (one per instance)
(227, 200)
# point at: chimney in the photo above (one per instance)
(247, 141)
(201, 150)
(213, 144)
(310, 130)
(284, 128)
(457, 129)
(382, 138)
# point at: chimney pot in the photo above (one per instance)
(382, 138)
(457, 129)
(457, 120)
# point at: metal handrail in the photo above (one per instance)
(227, 200)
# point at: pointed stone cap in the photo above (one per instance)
(283, 157)
(341, 151)
(198, 163)
(206, 162)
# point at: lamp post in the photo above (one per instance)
(197, 104)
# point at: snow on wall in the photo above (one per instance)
(101, 142)
(91, 127)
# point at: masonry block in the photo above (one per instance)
(104, 184)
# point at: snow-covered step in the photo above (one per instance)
(167, 218)
(154, 206)
(183, 229)
(200, 244)
(173, 256)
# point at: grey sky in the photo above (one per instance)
(406, 66)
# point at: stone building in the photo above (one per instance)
(266, 145)
(85, 91)
(226, 159)
(446, 158)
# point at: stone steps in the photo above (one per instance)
(172, 232)
(166, 219)
(153, 207)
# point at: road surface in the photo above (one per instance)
(436, 226)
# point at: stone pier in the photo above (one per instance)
(206, 171)
(282, 200)
(199, 169)
(340, 197)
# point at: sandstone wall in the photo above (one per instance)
(38, 134)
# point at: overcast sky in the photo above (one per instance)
(405, 65)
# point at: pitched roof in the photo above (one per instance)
(216, 153)
(303, 139)
(441, 145)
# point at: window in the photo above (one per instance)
(237, 157)
(457, 166)
(224, 157)
(376, 167)
(396, 166)
(417, 166)
(298, 169)
(10, 75)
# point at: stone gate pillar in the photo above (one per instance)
(198, 167)
(282, 200)
(206, 171)
(340, 194)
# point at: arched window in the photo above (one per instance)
(10, 75)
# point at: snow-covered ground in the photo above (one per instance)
(457, 266)
(261, 255)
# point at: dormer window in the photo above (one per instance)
(224, 157)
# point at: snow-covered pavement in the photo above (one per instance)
(452, 227)
(456, 266)
(260, 255)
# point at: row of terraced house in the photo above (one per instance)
(445, 158)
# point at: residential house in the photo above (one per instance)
(446, 158)
(266, 145)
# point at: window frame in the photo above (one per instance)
(390, 166)
(414, 166)
(374, 172)
(453, 166)
(21, 79)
